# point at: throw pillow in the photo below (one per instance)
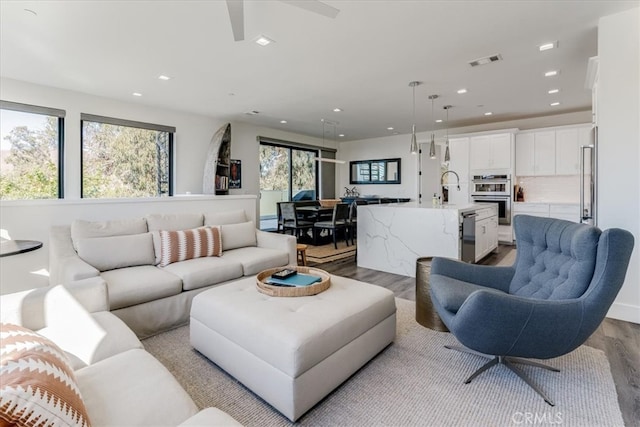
(188, 244)
(109, 253)
(38, 385)
(238, 235)
(81, 229)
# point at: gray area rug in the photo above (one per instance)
(415, 382)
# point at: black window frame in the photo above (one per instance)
(45, 111)
(171, 130)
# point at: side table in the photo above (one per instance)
(15, 247)
(426, 315)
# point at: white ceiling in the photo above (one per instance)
(361, 61)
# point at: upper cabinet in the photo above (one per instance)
(459, 151)
(490, 152)
(535, 153)
(550, 151)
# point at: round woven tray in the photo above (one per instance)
(298, 291)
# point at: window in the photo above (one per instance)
(31, 151)
(122, 158)
(286, 173)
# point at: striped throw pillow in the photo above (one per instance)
(38, 387)
(187, 244)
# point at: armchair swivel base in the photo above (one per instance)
(509, 363)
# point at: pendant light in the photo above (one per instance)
(414, 144)
(432, 145)
(447, 156)
(335, 131)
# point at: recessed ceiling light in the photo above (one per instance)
(163, 77)
(136, 94)
(389, 128)
(341, 135)
(488, 113)
(553, 104)
(552, 91)
(337, 110)
(547, 46)
(551, 73)
(283, 121)
(263, 41)
(461, 91)
(439, 121)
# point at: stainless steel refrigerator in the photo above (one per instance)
(588, 179)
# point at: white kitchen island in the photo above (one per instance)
(392, 236)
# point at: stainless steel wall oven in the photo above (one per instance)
(494, 189)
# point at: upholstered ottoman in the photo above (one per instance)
(293, 351)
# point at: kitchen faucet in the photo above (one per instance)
(453, 172)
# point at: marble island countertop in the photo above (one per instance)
(392, 236)
(415, 205)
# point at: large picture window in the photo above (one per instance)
(31, 151)
(122, 158)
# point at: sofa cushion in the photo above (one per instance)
(182, 245)
(87, 337)
(173, 222)
(81, 229)
(227, 217)
(135, 285)
(254, 259)
(37, 384)
(199, 272)
(133, 389)
(238, 235)
(108, 253)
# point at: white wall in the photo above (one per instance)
(618, 109)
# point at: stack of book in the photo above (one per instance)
(295, 280)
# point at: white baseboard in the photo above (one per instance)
(626, 312)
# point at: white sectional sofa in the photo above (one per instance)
(147, 295)
(118, 381)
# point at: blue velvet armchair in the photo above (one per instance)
(564, 279)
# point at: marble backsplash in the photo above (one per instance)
(550, 189)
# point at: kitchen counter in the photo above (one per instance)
(392, 236)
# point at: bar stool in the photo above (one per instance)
(301, 251)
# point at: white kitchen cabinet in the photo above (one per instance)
(490, 152)
(567, 152)
(486, 231)
(545, 153)
(566, 211)
(569, 212)
(533, 209)
(535, 153)
(525, 143)
(551, 151)
(459, 153)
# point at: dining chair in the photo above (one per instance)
(291, 221)
(353, 218)
(339, 221)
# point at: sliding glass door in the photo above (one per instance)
(286, 173)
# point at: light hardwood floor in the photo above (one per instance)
(619, 340)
